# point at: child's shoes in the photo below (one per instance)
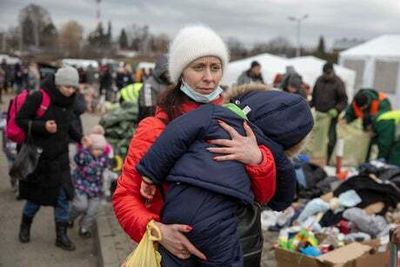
(84, 233)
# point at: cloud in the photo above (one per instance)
(248, 21)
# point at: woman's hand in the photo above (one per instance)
(175, 241)
(241, 148)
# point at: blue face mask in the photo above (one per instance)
(197, 97)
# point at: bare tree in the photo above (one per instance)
(140, 37)
(159, 43)
(37, 28)
(109, 33)
(277, 46)
(49, 36)
(100, 40)
(11, 40)
(123, 39)
(70, 38)
(236, 48)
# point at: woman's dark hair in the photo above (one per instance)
(171, 101)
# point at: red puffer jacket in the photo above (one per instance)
(129, 206)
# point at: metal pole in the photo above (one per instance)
(98, 14)
(36, 31)
(298, 20)
(21, 40)
(298, 50)
(3, 41)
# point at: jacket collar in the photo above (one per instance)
(187, 106)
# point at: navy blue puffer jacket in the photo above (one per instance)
(180, 154)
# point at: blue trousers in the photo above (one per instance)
(61, 210)
(215, 226)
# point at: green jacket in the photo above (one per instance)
(384, 105)
(386, 126)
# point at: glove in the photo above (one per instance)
(333, 113)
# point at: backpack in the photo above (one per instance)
(13, 131)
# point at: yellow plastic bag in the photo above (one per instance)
(146, 254)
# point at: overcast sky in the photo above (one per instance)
(249, 21)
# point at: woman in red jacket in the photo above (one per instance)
(197, 60)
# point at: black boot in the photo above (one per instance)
(25, 229)
(62, 240)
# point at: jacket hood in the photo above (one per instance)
(57, 98)
(161, 66)
(236, 91)
(285, 118)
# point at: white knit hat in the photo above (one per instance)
(191, 43)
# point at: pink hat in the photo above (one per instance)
(98, 141)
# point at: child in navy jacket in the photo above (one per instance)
(204, 193)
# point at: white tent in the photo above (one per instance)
(145, 65)
(377, 65)
(83, 63)
(310, 68)
(9, 60)
(270, 65)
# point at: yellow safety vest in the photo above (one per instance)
(390, 115)
(130, 93)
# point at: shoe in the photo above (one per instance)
(62, 239)
(84, 233)
(17, 196)
(70, 224)
(24, 235)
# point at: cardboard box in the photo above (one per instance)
(352, 255)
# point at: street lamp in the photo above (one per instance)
(298, 20)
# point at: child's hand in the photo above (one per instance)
(147, 190)
(86, 142)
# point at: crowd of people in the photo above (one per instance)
(50, 183)
(230, 157)
(18, 76)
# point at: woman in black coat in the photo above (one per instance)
(50, 183)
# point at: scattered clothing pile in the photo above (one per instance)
(326, 217)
